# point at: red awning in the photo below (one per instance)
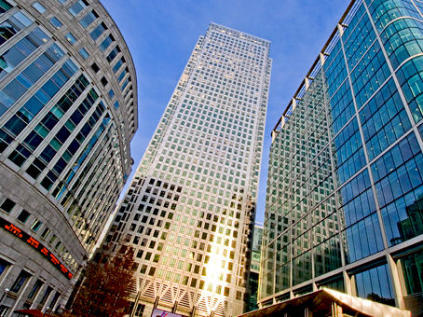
(32, 313)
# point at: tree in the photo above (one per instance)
(107, 286)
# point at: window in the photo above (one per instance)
(54, 300)
(118, 64)
(106, 43)
(37, 6)
(375, 284)
(47, 292)
(152, 271)
(23, 216)
(4, 6)
(52, 239)
(88, 19)
(45, 233)
(122, 74)
(56, 22)
(77, 7)
(20, 281)
(7, 205)
(95, 67)
(3, 266)
(413, 273)
(104, 81)
(113, 54)
(70, 38)
(84, 54)
(125, 83)
(95, 34)
(36, 225)
(35, 289)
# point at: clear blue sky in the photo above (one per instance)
(162, 33)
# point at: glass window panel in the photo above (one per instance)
(56, 22)
(70, 38)
(20, 281)
(375, 284)
(40, 8)
(95, 34)
(77, 7)
(83, 52)
(88, 19)
(413, 272)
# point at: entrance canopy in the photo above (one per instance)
(327, 302)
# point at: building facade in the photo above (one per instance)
(253, 277)
(190, 208)
(68, 110)
(343, 206)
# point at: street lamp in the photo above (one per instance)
(3, 308)
(6, 290)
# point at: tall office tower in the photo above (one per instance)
(191, 204)
(67, 113)
(253, 277)
(344, 196)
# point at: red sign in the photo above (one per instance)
(35, 244)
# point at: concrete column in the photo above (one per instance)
(347, 283)
(393, 269)
(294, 103)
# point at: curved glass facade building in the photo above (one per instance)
(68, 110)
(345, 185)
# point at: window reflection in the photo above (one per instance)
(375, 284)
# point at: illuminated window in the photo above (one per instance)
(70, 38)
(36, 225)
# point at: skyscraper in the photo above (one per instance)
(68, 109)
(253, 277)
(343, 206)
(191, 204)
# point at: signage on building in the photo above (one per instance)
(162, 313)
(35, 244)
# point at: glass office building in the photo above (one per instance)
(345, 192)
(190, 208)
(253, 277)
(67, 113)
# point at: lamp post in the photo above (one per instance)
(3, 308)
(6, 290)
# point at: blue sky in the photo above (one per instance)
(162, 33)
